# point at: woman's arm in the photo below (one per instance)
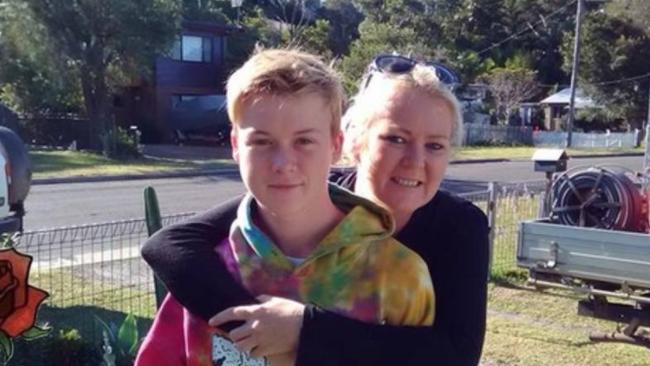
(183, 257)
(459, 270)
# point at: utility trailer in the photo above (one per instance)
(611, 267)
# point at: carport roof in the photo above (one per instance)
(564, 95)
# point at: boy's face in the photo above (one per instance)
(284, 146)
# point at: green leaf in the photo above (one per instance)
(152, 211)
(6, 241)
(36, 332)
(127, 336)
(6, 346)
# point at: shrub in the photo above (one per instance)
(119, 144)
(66, 347)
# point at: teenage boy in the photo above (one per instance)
(295, 236)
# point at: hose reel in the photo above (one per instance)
(600, 197)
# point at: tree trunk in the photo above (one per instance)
(97, 103)
(507, 116)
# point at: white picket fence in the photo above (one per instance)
(475, 134)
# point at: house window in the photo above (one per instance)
(192, 48)
(177, 99)
(210, 101)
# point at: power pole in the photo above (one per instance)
(237, 4)
(574, 74)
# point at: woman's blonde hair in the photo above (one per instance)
(357, 118)
(284, 72)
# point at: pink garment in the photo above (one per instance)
(176, 338)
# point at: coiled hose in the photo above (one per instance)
(597, 197)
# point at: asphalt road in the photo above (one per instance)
(523, 170)
(57, 205)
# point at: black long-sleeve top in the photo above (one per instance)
(449, 233)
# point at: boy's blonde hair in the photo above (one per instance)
(284, 72)
(357, 118)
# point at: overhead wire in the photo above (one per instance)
(618, 81)
(601, 83)
(529, 27)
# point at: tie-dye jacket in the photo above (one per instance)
(357, 270)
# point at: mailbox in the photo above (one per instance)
(550, 160)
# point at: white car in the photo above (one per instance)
(15, 180)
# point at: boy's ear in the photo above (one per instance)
(233, 144)
(337, 146)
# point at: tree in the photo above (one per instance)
(208, 10)
(30, 81)
(101, 44)
(344, 18)
(509, 87)
(377, 38)
(480, 34)
(291, 18)
(638, 11)
(256, 30)
(416, 15)
(314, 39)
(614, 65)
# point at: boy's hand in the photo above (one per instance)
(270, 328)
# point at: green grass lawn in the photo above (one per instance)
(58, 163)
(77, 298)
(527, 327)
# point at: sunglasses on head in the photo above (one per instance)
(397, 64)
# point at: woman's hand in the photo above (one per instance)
(270, 328)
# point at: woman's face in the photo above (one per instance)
(405, 151)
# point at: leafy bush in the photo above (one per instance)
(119, 144)
(66, 347)
(55, 132)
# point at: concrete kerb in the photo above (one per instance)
(123, 177)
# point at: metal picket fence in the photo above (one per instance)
(97, 269)
(92, 271)
(506, 204)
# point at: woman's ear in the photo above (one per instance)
(233, 144)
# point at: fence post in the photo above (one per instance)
(491, 216)
(154, 223)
